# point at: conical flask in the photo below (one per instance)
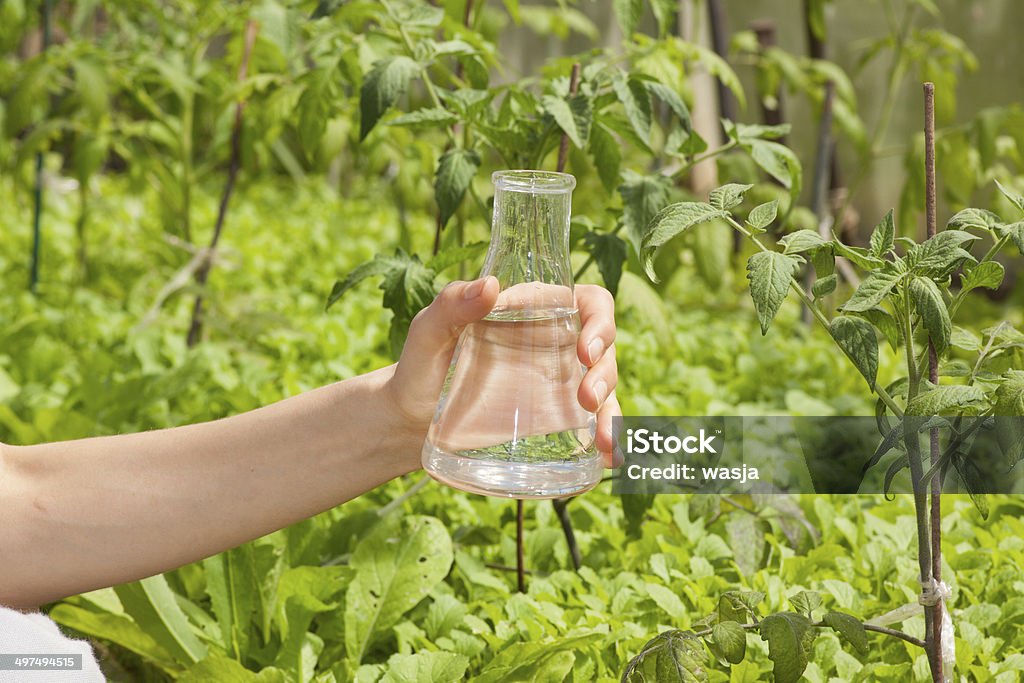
(508, 422)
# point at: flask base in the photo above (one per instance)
(534, 480)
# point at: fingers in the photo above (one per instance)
(599, 382)
(605, 439)
(434, 332)
(597, 317)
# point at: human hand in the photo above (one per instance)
(416, 384)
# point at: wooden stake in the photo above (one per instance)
(935, 651)
(563, 146)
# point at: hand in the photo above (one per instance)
(420, 373)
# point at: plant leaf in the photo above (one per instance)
(395, 566)
(979, 219)
(762, 216)
(731, 639)
(728, 196)
(636, 100)
(387, 81)
(940, 255)
(988, 274)
(671, 98)
(573, 115)
(857, 339)
(152, 605)
(642, 198)
(938, 400)
(628, 13)
(862, 258)
(610, 253)
(770, 274)
(455, 171)
(787, 635)
(451, 256)
(426, 667)
(883, 235)
(606, 154)
(801, 241)
(427, 117)
(927, 299)
(669, 222)
(1015, 199)
(850, 628)
(670, 657)
(871, 292)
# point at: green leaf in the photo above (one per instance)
(636, 101)
(746, 538)
(116, 628)
(1015, 199)
(728, 196)
(762, 216)
(387, 81)
(610, 253)
(153, 606)
(806, 602)
(736, 605)
(871, 292)
(850, 628)
(780, 163)
(642, 198)
(220, 668)
(939, 400)
(408, 289)
(395, 566)
(628, 13)
(455, 171)
(606, 154)
(801, 241)
(1009, 396)
(671, 98)
(940, 255)
(824, 286)
(978, 219)
(670, 657)
(731, 639)
(988, 274)
(314, 108)
(669, 222)
(890, 441)
(862, 258)
(426, 667)
(770, 274)
(1016, 233)
(535, 661)
(231, 585)
(885, 323)
(857, 339)
(927, 299)
(454, 255)
(883, 235)
(378, 266)
(415, 14)
(573, 115)
(427, 117)
(788, 636)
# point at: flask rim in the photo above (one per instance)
(533, 181)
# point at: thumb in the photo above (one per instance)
(433, 333)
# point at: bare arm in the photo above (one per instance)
(80, 515)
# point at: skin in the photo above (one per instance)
(80, 515)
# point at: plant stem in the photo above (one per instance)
(882, 394)
(867, 627)
(562, 510)
(520, 566)
(37, 211)
(235, 164)
(563, 145)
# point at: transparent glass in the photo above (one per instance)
(508, 422)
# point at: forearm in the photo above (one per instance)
(80, 515)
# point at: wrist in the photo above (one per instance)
(399, 434)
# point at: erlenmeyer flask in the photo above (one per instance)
(508, 422)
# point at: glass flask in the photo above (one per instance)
(508, 422)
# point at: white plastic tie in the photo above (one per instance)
(933, 592)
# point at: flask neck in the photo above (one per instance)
(530, 232)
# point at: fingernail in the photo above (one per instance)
(594, 350)
(601, 391)
(473, 289)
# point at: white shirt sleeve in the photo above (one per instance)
(34, 633)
